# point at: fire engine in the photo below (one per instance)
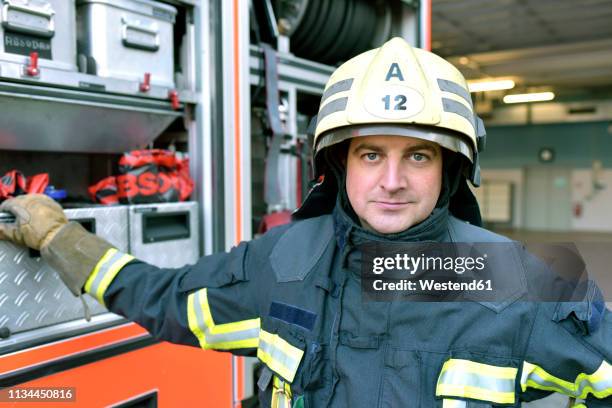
(230, 85)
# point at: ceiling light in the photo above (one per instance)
(529, 97)
(495, 85)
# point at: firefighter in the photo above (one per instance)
(396, 139)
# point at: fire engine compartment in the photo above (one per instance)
(103, 77)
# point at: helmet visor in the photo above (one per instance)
(448, 139)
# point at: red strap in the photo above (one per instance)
(105, 191)
(138, 158)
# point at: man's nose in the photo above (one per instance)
(394, 177)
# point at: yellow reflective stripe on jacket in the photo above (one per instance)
(469, 379)
(599, 383)
(226, 336)
(453, 403)
(105, 271)
(279, 355)
(281, 394)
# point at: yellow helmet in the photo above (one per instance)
(400, 90)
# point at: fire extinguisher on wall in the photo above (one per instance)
(577, 210)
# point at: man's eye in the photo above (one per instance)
(371, 156)
(419, 157)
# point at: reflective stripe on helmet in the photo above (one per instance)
(454, 88)
(452, 106)
(334, 106)
(105, 271)
(469, 379)
(226, 336)
(599, 383)
(280, 356)
(337, 87)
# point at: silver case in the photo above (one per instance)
(63, 42)
(111, 223)
(172, 253)
(110, 31)
(32, 295)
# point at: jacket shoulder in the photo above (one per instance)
(462, 231)
(300, 247)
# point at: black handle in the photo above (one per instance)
(165, 226)
(88, 223)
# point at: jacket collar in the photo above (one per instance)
(349, 233)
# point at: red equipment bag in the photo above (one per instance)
(14, 183)
(147, 176)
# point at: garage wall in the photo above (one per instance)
(511, 150)
(575, 144)
(594, 204)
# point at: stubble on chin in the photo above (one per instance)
(382, 224)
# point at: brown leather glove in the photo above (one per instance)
(40, 223)
(37, 219)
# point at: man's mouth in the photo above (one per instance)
(391, 205)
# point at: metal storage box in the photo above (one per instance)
(45, 26)
(108, 222)
(165, 235)
(32, 295)
(126, 39)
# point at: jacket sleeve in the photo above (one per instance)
(570, 352)
(213, 304)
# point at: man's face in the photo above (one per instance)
(393, 182)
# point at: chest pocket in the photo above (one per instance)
(280, 352)
(281, 349)
(295, 364)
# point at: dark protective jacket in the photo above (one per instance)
(293, 298)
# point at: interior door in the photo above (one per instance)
(547, 198)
